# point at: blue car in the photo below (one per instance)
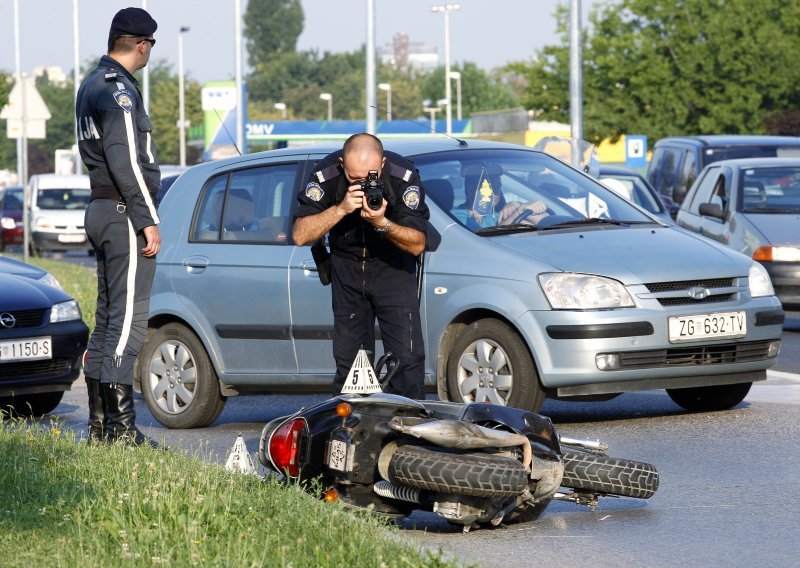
(42, 339)
(591, 298)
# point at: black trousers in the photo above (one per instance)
(124, 278)
(387, 290)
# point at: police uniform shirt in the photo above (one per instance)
(404, 194)
(115, 138)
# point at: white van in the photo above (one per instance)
(57, 207)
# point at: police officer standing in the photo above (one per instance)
(115, 138)
(374, 255)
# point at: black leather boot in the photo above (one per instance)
(121, 417)
(97, 413)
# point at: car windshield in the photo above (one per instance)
(744, 151)
(63, 198)
(12, 199)
(638, 191)
(520, 189)
(770, 190)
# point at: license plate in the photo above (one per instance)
(71, 238)
(26, 349)
(705, 326)
(340, 455)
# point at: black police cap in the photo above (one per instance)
(134, 21)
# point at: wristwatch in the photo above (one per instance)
(385, 228)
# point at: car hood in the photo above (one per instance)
(777, 229)
(19, 293)
(631, 255)
(12, 266)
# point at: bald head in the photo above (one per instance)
(361, 154)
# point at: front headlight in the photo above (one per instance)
(65, 311)
(7, 223)
(50, 280)
(758, 281)
(570, 291)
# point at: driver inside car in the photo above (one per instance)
(486, 206)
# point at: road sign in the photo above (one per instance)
(635, 151)
(25, 103)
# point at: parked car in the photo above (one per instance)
(578, 305)
(678, 160)
(57, 207)
(11, 216)
(752, 206)
(638, 190)
(42, 339)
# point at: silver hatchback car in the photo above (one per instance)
(594, 299)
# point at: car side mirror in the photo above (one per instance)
(712, 210)
(679, 193)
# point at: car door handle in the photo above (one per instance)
(309, 265)
(195, 264)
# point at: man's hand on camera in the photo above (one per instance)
(377, 218)
(353, 199)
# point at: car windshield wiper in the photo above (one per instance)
(594, 221)
(500, 229)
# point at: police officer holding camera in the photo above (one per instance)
(374, 248)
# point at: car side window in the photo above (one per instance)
(669, 172)
(688, 170)
(249, 205)
(705, 189)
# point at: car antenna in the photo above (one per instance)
(222, 123)
(461, 142)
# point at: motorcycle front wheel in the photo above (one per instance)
(603, 474)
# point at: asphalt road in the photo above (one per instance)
(727, 497)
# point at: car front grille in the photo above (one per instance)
(28, 318)
(717, 354)
(680, 293)
(45, 368)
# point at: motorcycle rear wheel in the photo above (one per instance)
(457, 474)
(604, 474)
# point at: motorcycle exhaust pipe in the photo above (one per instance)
(463, 435)
(595, 446)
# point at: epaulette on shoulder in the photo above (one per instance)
(329, 173)
(111, 75)
(400, 172)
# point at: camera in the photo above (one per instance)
(373, 189)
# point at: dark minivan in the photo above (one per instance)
(678, 160)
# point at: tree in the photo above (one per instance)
(478, 91)
(164, 112)
(270, 27)
(665, 67)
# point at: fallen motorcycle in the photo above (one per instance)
(472, 464)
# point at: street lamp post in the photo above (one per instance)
(446, 10)
(181, 97)
(328, 97)
(457, 76)
(388, 88)
(281, 107)
(432, 110)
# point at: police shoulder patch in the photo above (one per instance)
(124, 99)
(314, 191)
(411, 197)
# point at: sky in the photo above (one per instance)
(488, 33)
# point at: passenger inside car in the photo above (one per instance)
(486, 205)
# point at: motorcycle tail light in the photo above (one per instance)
(284, 447)
(331, 496)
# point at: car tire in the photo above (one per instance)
(26, 405)
(178, 381)
(491, 347)
(707, 399)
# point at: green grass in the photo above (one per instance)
(78, 281)
(68, 504)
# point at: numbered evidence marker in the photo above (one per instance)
(239, 459)
(361, 379)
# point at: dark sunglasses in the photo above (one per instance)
(151, 40)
